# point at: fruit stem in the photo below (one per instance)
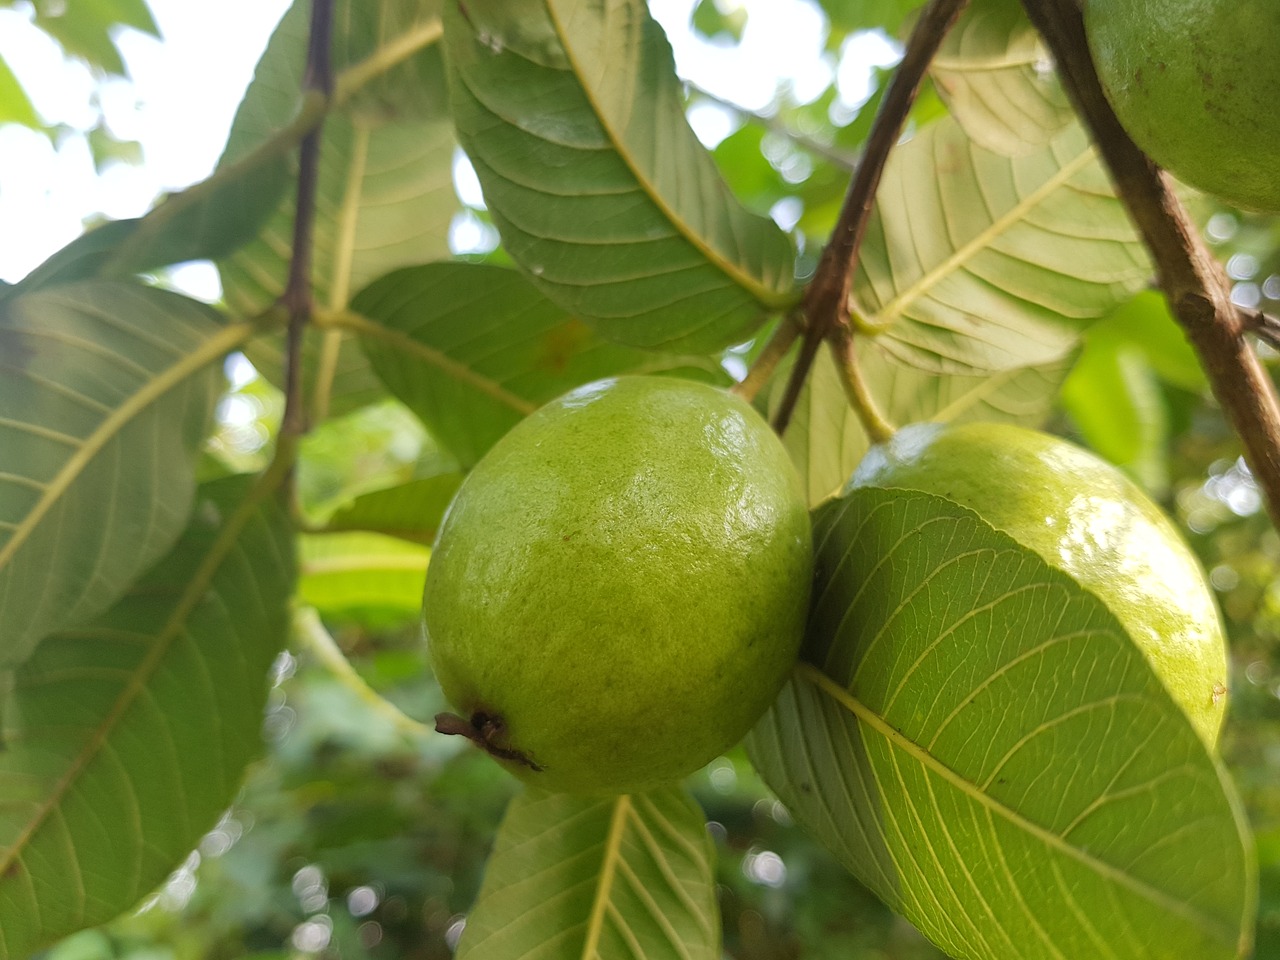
(1194, 282)
(878, 428)
(485, 730)
(826, 298)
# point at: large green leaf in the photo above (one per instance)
(619, 878)
(126, 738)
(825, 437)
(385, 196)
(980, 742)
(996, 77)
(572, 114)
(106, 390)
(472, 349)
(976, 262)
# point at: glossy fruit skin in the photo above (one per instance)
(1195, 83)
(1085, 517)
(623, 580)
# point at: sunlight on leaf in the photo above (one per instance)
(975, 262)
(997, 79)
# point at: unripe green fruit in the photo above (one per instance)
(619, 588)
(1085, 517)
(1196, 83)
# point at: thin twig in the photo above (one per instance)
(844, 159)
(1193, 281)
(297, 293)
(826, 301)
(1263, 326)
(786, 334)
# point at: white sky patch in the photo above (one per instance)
(179, 107)
(778, 47)
(859, 53)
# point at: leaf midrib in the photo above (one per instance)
(881, 726)
(192, 595)
(773, 299)
(895, 308)
(226, 340)
(608, 867)
(362, 325)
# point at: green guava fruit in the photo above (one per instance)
(1196, 84)
(619, 588)
(1085, 517)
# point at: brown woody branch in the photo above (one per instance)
(826, 299)
(296, 298)
(1193, 281)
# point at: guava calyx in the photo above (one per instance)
(488, 731)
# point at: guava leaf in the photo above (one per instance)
(1000, 261)
(345, 572)
(574, 120)
(410, 511)
(472, 348)
(826, 440)
(619, 878)
(128, 737)
(978, 740)
(106, 390)
(385, 196)
(996, 78)
(971, 295)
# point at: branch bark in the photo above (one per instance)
(826, 299)
(296, 298)
(1194, 282)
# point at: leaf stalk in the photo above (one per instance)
(826, 298)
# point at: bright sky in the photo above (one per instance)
(184, 90)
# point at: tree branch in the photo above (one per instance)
(777, 348)
(826, 298)
(1194, 282)
(296, 298)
